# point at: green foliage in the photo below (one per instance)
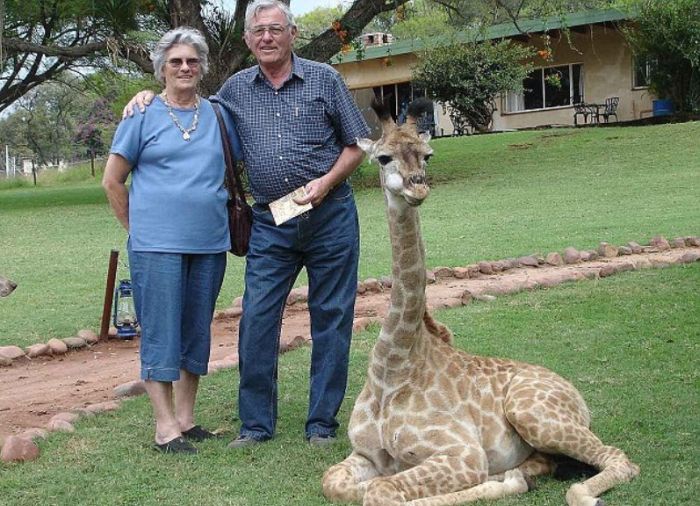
(315, 22)
(467, 76)
(667, 35)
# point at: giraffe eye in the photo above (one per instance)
(384, 159)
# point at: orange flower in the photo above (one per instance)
(346, 48)
(544, 53)
(335, 25)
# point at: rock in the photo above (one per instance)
(593, 255)
(295, 342)
(690, 257)
(11, 352)
(130, 389)
(606, 270)
(484, 297)
(112, 333)
(692, 241)
(89, 336)
(4, 362)
(443, 272)
(635, 247)
(624, 250)
(473, 270)
(38, 350)
(57, 346)
(529, 261)
(34, 434)
(660, 243)
(585, 256)
(66, 417)
(237, 302)
(678, 242)
(19, 449)
(296, 295)
(231, 312)
(60, 426)
(373, 285)
(571, 256)
(101, 407)
(461, 272)
(361, 289)
(467, 297)
(485, 268)
(606, 250)
(361, 323)
(430, 277)
(387, 281)
(554, 258)
(74, 343)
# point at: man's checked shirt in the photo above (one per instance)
(296, 133)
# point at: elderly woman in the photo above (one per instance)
(175, 214)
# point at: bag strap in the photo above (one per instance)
(233, 180)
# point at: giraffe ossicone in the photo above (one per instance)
(435, 425)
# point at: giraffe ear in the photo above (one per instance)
(366, 145)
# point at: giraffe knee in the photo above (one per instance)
(339, 485)
(382, 492)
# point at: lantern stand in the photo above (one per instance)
(124, 311)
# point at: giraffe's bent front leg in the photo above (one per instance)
(347, 481)
(454, 469)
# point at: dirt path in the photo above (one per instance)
(32, 391)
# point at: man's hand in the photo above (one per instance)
(141, 100)
(316, 191)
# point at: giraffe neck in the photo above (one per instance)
(405, 315)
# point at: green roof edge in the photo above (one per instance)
(493, 32)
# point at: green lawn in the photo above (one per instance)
(630, 343)
(494, 196)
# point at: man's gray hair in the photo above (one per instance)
(180, 35)
(254, 9)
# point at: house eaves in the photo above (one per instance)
(500, 31)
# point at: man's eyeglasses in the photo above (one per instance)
(176, 63)
(275, 30)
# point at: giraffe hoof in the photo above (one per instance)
(531, 485)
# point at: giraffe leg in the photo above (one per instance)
(537, 464)
(348, 480)
(450, 478)
(550, 415)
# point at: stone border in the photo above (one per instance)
(22, 447)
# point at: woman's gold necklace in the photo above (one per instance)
(195, 121)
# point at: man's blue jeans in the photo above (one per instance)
(325, 240)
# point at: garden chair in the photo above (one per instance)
(584, 110)
(610, 109)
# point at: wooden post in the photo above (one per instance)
(109, 294)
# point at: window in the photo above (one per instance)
(642, 70)
(548, 87)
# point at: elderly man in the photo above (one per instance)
(298, 126)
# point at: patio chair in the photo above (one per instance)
(611, 104)
(584, 110)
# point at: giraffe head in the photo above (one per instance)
(402, 153)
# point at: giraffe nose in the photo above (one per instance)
(417, 179)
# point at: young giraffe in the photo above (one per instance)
(434, 425)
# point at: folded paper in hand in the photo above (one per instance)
(284, 208)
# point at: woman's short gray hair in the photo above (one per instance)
(180, 35)
(260, 5)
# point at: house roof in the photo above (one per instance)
(503, 30)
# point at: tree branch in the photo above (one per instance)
(361, 12)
